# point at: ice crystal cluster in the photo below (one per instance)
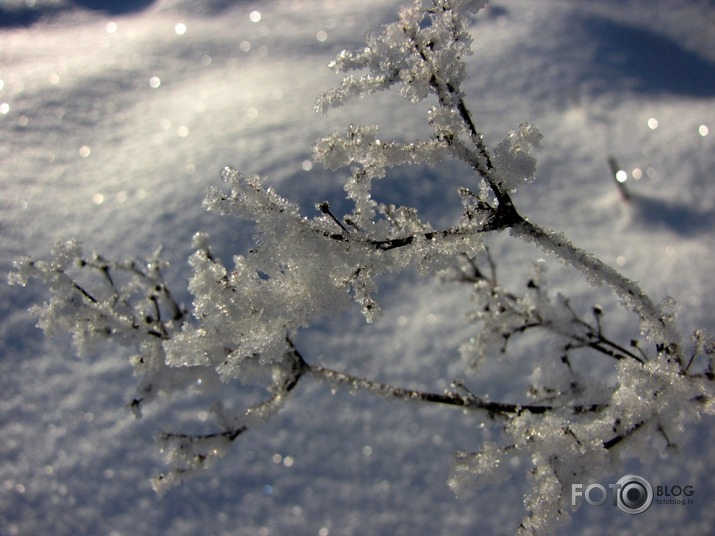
(568, 426)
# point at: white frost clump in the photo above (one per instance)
(513, 157)
(296, 273)
(361, 146)
(428, 38)
(479, 469)
(370, 157)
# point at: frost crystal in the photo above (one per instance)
(479, 469)
(422, 52)
(512, 157)
(360, 145)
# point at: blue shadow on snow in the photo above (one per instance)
(24, 16)
(680, 218)
(645, 61)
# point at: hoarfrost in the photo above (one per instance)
(512, 157)
(479, 469)
(428, 38)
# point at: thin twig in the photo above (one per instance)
(449, 398)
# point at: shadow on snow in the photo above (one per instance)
(24, 16)
(681, 218)
(638, 59)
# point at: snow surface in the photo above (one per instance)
(115, 117)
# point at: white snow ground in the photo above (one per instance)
(116, 116)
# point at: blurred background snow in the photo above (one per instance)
(115, 117)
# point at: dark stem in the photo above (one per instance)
(394, 243)
(465, 400)
(615, 170)
(600, 274)
(620, 437)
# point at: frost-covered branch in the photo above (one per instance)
(189, 453)
(459, 396)
(572, 423)
(656, 322)
(505, 314)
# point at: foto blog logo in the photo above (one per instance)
(632, 494)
